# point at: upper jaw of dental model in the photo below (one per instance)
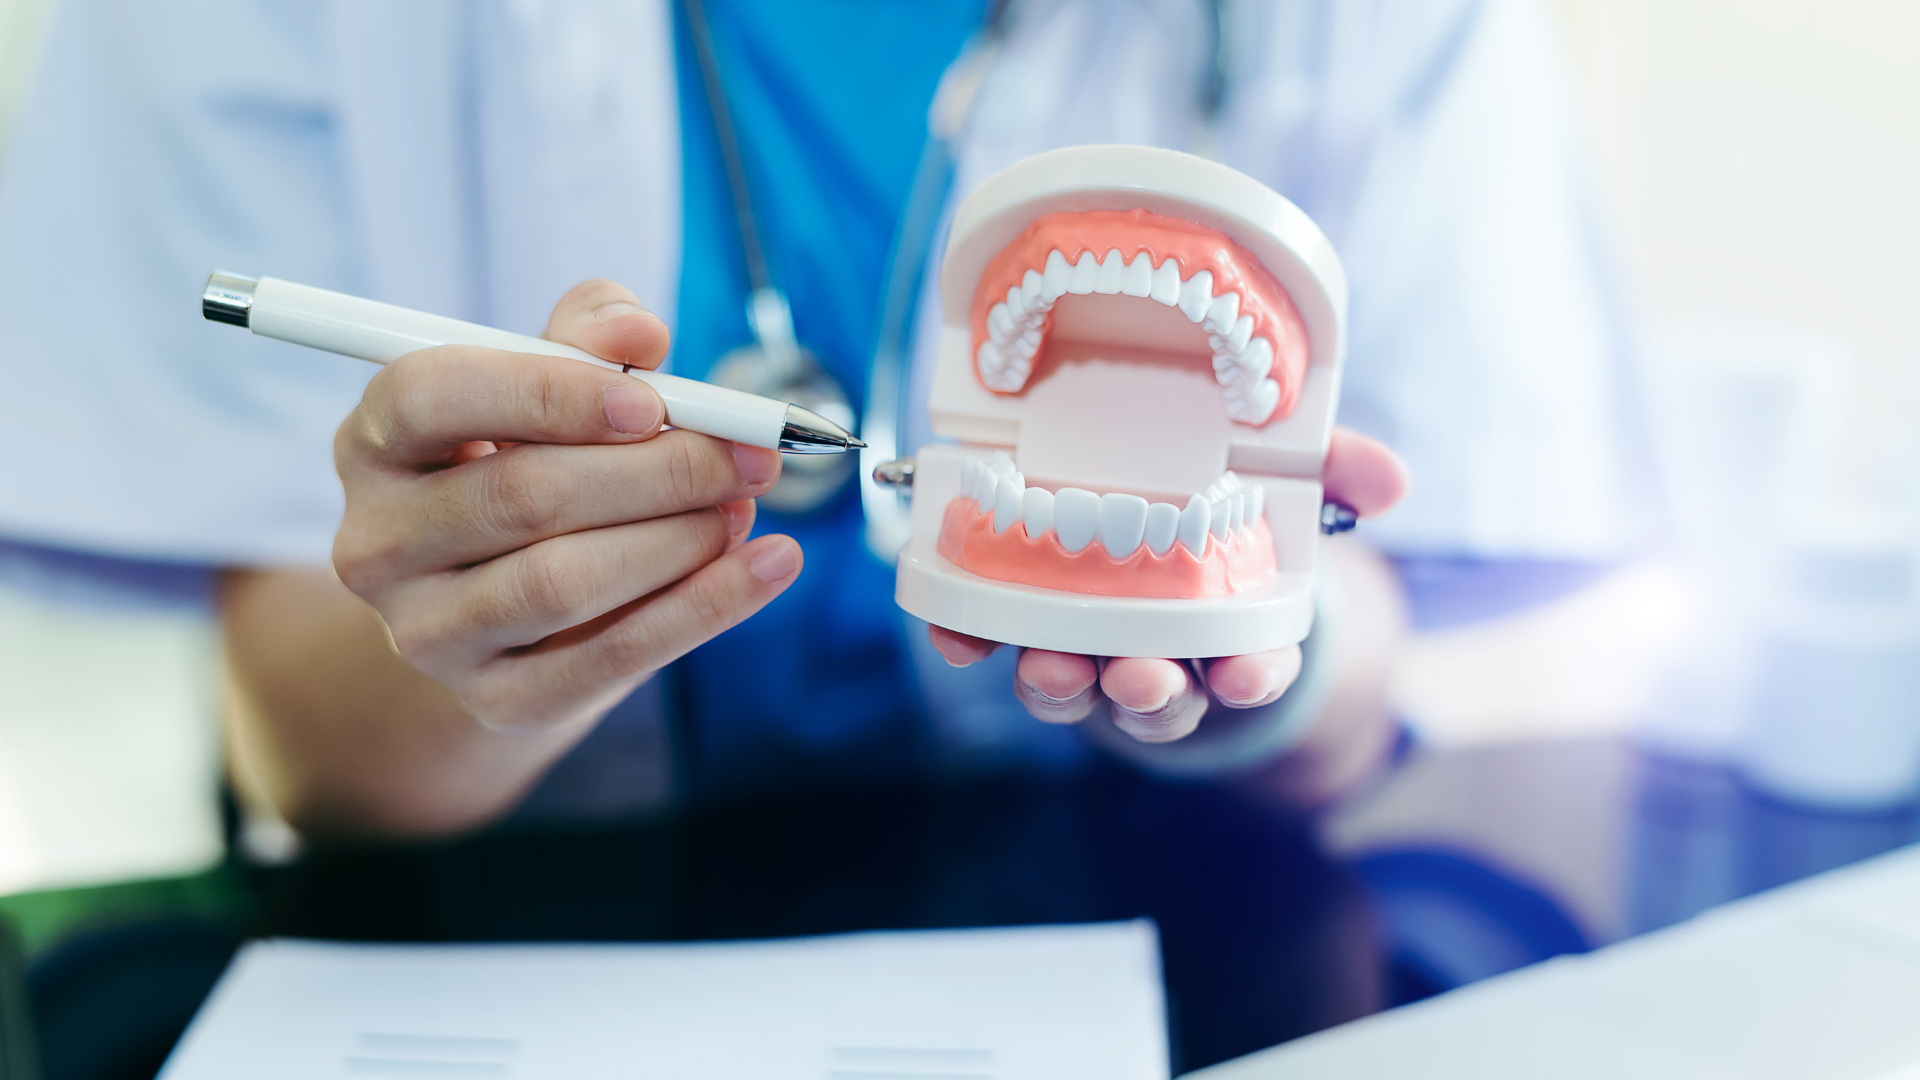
(1228, 509)
(1258, 340)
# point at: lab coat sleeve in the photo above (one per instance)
(1438, 145)
(153, 149)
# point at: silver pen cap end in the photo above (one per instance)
(228, 298)
(807, 432)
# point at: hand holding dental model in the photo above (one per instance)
(1140, 362)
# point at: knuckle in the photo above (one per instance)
(518, 495)
(399, 400)
(415, 636)
(710, 603)
(710, 534)
(545, 588)
(363, 560)
(546, 396)
(689, 471)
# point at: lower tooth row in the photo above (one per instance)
(1121, 523)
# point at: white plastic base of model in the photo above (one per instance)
(931, 588)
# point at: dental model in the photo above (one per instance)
(1139, 361)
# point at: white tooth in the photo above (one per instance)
(1016, 307)
(1222, 519)
(1000, 463)
(1053, 283)
(970, 480)
(1194, 523)
(1123, 521)
(1028, 344)
(1256, 503)
(1080, 282)
(1163, 520)
(990, 359)
(1224, 311)
(1242, 330)
(1244, 403)
(1112, 269)
(1036, 511)
(1265, 397)
(1000, 324)
(1215, 491)
(1257, 358)
(1138, 280)
(986, 489)
(1236, 512)
(1196, 295)
(1166, 283)
(1226, 366)
(1076, 517)
(1030, 287)
(1230, 481)
(1006, 503)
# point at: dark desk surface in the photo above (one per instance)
(1461, 865)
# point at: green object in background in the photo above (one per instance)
(18, 1057)
(42, 919)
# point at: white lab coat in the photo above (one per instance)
(476, 157)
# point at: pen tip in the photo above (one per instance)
(856, 443)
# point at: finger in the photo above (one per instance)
(531, 493)
(1153, 700)
(959, 649)
(605, 319)
(595, 659)
(658, 629)
(529, 595)
(1363, 473)
(1059, 688)
(427, 403)
(1253, 680)
(739, 514)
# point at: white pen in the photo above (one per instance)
(383, 333)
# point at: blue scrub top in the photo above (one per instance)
(818, 685)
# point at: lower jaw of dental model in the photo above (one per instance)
(1256, 336)
(1074, 540)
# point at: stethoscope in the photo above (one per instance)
(775, 364)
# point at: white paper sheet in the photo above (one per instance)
(1011, 1004)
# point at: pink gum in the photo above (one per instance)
(968, 541)
(1195, 247)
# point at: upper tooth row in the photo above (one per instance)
(1240, 360)
(1120, 522)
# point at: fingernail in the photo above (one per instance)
(1042, 695)
(756, 465)
(616, 309)
(738, 516)
(633, 408)
(775, 562)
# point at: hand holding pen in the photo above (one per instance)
(531, 536)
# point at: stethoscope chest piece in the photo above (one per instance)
(776, 365)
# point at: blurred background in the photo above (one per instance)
(1635, 744)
